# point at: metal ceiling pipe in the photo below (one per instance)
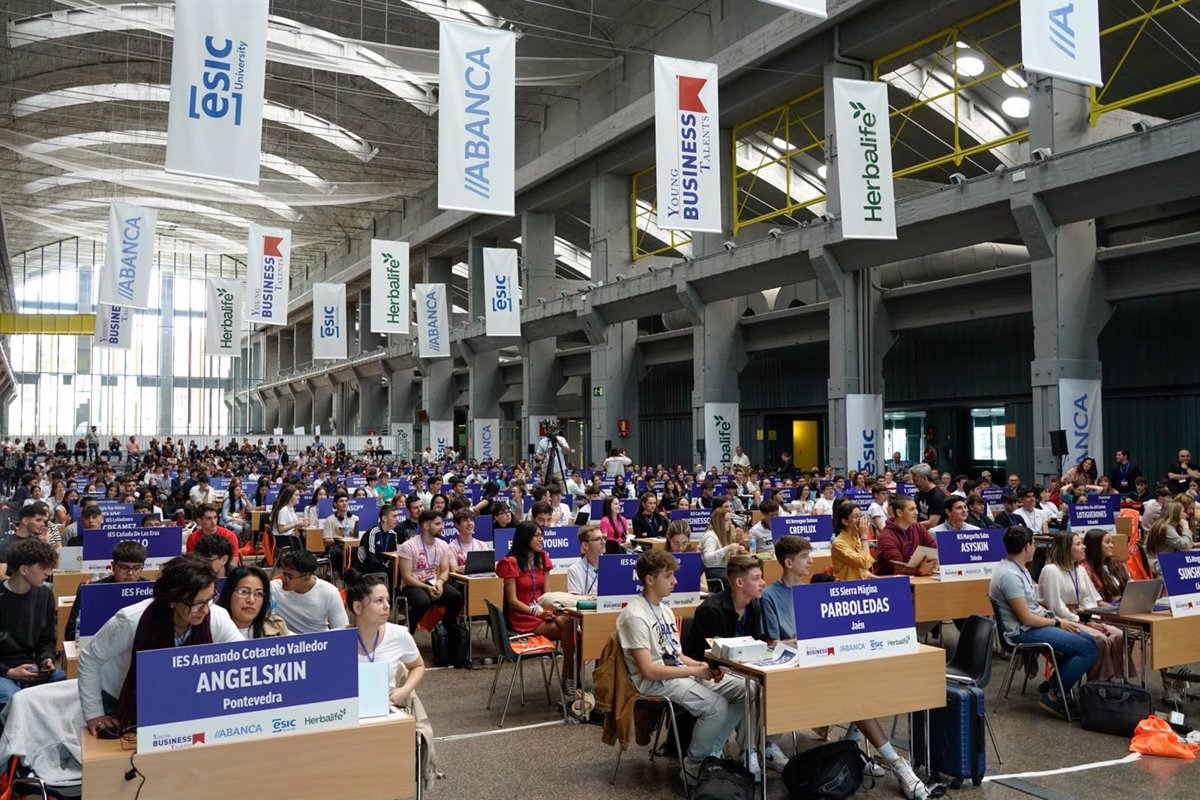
(950, 264)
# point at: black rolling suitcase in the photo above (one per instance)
(956, 734)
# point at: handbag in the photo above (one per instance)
(1115, 707)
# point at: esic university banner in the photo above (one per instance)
(687, 151)
(329, 320)
(502, 316)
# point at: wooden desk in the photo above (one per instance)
(935, 600)
(478, 588)
(63, 611)
(1172, 641)
(256, 518)
(66, 584)
(593, 629)
(314, 540)
(660, 543)
(70, 659)
(257, 767)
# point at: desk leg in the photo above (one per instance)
(577, 624)
(465, 587)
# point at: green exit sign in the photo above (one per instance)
(597, 391)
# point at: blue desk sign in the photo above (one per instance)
(162, 544)
(246, 690)
(560, 543)
(817, 528)
(854, 620)
(98, 602)
(687, 581)
(1094, 513)
(1181, 575)
(861, 497)
(617, 585)
(483, 529)
(993, 499)
(365, 508)
(969, 555)
(697, 519)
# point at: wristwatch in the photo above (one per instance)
(1057, 622)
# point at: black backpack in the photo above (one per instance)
(442, 654)
(723, 779)
(827, 772)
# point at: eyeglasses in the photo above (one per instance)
(595, 539)
(246, 591)
(201, 604)
(131, 569)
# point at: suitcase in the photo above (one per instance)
(956, 733)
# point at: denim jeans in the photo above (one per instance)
(10, 687)
(1076, 651)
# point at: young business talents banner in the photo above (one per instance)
(433, 327)
(329, 320)
(864, 159)
(390, 304)
(687, 152)
(503, 313)
(223, 317)
(114, 327)
(1062, 39)
(476, 119)
(268, 260)
(128, 256)
(218, 75)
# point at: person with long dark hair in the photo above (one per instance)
(613, 524)
(246, 595)
(1106, 571)
(648, 522)
(524, 571)
(180, 612)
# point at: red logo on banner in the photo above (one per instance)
(197, 738)
(689, 94)
(271, 246)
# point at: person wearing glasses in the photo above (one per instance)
(179, 613)
(246, 595)
(128, 560)
(583, 577)
(307, 603)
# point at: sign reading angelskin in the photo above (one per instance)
(218, 73)
(162, 544)
(477, 68)
(128, 256)
(441, 436)
(854, 620)
(269, 257)
(330, 339)
(696, 518)
(485, 438)
(1062, 38)
(391, 308)
(246, 690)
(114, 327)
(818, 529)
(98, 602)
(721, 433)
(864, 431)
(687, 155)
(864, 165)
(502, 314)
(969, 555)
(223, 317)
(1092, 513)
(433, 336)
(1079, 415)
(1181, 576)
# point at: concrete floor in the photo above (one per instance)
(572, 763)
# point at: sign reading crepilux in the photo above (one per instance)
(433, 337)
(816, 528)
(269, 257)
(128, 256)
(687, 155)
(391, 308)
(223, 317)
(864, 159)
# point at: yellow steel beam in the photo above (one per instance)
(47, 324)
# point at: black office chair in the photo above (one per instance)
(716, 578)
(1014, 649)
(972, 662)
(505, 652)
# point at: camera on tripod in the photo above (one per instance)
(552, 430)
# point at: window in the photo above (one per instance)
(903, 433)
(987, 435)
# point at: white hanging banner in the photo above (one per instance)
(433, 329)
(218, 73)
(815, 8)
(477, 69)
(329, 321)
(128, 256)
(223, 316)
(864, 432)
(485, 438)
(269, 257)
(403, 431)
(864, 159)
(114, 327)
(687, 153)
(721, 433)
(1062, 39)
(503, 313)
(441, 436)
(390, 304)
(1079, 415)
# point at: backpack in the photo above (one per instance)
(443, 656)
(828, 772)
(723, 779)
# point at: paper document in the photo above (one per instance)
(784, 655)
(920, 554)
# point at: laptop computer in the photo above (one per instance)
(1139, 598)
(480, 562)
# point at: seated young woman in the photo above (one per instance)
(246, 595)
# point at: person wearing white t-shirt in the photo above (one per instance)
(307, 603)
(877, 511)
(616, 463)
(1034, 518)
(824, 504)
(583, 577)
(425, 577)
(955, 511)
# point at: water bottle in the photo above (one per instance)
(753, 545)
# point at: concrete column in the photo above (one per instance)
(304, 345)
(166, 353)
(354, 343)
(401, 397)
(286, 339)
(615, 369)
(541, 377)
(270, 413)
(368, 340)
(372, 402)
(287, 412)
(1069, 309)
(484, 385)
(437, 389)
(303, 415)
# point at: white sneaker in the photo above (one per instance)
(776, 759)
(910, 784)
(873, 769)
(753, 766)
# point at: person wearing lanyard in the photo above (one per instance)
(337, 527)
(464, 523)
(1023, 619)
(900, 538)
(424, 577)
(1066, 590)
(583, 576)
(659, 666)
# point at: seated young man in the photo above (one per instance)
(1023, 619)
(794, 554)
(584, 575)
(128, 561)
(217, 551)
(733, 612)
(658, 665)
(206, 523)
(425, 577)
(27, 620)
(307, 603)
(761, 533)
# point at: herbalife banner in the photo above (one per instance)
(441, 436)
(477, 69)
(864, 432)
(485, 438)
(687, 156)
(502, 314)
(814, 8)
(128, 256)
(114, 327)
(223, 315)
(218, 72)
(864, 159)
(720, 433)
(433, 331)
(390, 309)
(1079, 416)
(268, 260)
(403, 431)
(1062, 39)
(329, 320)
